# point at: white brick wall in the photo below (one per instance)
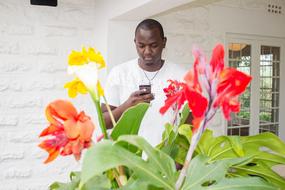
(34, 44)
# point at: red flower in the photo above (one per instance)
(231, 84)
(69, 131)
(175, 94)
(178, 93)
(207, 87)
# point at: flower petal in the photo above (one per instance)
(95, 56)
(74, 87)
(217, 61)
(72, 130)
(197, 103)
(51, 129)
(233, 81)
(76, 58)
(60, 110)
(87, 73)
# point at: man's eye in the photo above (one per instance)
(154, 46)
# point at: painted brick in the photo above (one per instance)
(11, 156)
(41, 49)
(52, 31)
(16, 173)
(9, 47)
(17, 29)
(23, 138)
(6, 121)
(14, 66)
(53, 66)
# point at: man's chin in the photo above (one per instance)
(149, 63)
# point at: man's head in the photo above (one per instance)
(150, 41)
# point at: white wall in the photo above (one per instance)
(34, 45)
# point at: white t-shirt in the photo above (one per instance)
(125, 78)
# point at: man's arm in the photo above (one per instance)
(116, 111)
(135, 98)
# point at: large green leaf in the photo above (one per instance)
(202, 175)
(129, 122)
(157, 158)
(266, 149)
(184, 114)
(97, 182)
(175, 145)
(106, 155)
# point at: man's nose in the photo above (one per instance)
(147, 50)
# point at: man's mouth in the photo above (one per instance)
(148, 59)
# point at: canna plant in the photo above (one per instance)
(209, 162)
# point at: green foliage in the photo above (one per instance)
(202, 175)
(130, 121)
(219, 162)
(158, 171)
(266, 150)
(96, 182)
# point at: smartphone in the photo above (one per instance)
(146, 88)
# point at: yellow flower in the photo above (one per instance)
(74, 87)
(77, 58)
(94, 56)
(100, 89)
(85, 66)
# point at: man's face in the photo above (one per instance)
(149, 45)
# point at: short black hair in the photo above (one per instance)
(150, 24)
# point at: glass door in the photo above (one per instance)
(261, 103)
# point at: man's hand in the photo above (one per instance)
(138, 97)
(135, 98)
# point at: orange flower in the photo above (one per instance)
(70, 132)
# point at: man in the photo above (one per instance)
(124, 81)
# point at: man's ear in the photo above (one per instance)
(135, 40)
(164, 42)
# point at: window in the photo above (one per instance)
(240, 58)
(269, 89)
(260, 103)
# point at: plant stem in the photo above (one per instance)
(110, 112)
(99, 113)
(194, 141)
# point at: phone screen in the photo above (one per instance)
(146, 88)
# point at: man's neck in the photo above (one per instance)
(151, 67)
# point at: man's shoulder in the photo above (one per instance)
(125, 66)
(174, 66)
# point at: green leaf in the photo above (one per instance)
(236, 145)
(258, 168)
(184, 114)
(157, 158)
(186, 131)
(266, 149)
(100, 182)
(73, 184)
(96, 182)
(106, 155)
(202, 175)
(130, 121)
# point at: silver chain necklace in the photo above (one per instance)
(150, 79)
